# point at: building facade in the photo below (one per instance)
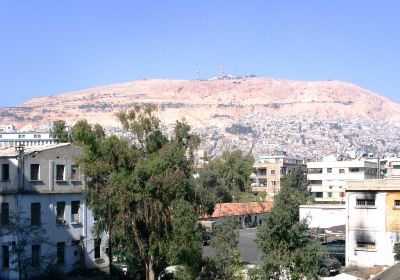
(268, 171)
(328, 177)
(26, 138)
(44, 214)
(373, 221)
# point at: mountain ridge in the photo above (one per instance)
(218, 104)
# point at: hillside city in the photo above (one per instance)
(353, 185)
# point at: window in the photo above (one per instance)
(341, 171)
(35, 214)
(262, 172)
(60, 172)
(35, 172)
(314, 170)
(273, 183)
(5, 172)
(60, 213)
(75, 173)
(5, 214)
(60, 252)
(75, 205)
(396, 166)
(318, 194)
(262, 182)
(365, 246)
(316, 182)
(6, 257)
(75, 246)
(354, 169)
(97, 243)
(37, 136)
(396, 204)
(35, 255)
(273, 172)
(21, 136)
(329, 170)
(330, 194)
(365, 202)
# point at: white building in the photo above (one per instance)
(42, 186)
(328, 177)
(373, 221)
(25, 138)
(323, 215)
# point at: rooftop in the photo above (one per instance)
(239, 209)
(12, 152)
(374, 185)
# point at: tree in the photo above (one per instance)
(186, 242)
(287, 251)
(23, 235)
(136, 182)
(227, 176)
(59, 132)
(225, 263)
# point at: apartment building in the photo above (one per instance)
(373, 221)
(43, 213)
(328, 177)
(25, 138)
(268, 171)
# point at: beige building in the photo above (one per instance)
(268, 171)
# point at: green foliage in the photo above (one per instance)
(137, 186)
(59, 132)
(396, 250)
(226, 258)
(186, 242)
(281, 236)
(227, 176)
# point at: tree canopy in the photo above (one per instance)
(59, 132)
(138, 185)
(227, 177)
(282, 237)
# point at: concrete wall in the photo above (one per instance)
(323, 216)
(367, 224)
(20, 192)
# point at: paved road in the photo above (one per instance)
(249, 252)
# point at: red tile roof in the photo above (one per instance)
(239, 209)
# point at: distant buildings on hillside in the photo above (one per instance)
(268, 171)
(9, 137)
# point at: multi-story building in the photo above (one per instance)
(373, 221)
(328, 177)
(268, 171)
(44, 218)
(25, 138)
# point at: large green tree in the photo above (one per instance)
(225, 262)
(136, 183)
(287, 252)
(227, 177)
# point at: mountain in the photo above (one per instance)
(257, 114)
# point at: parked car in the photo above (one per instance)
(169, 272)
(329, 265)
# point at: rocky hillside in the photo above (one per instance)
(251, 113)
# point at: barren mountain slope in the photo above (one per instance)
(198, 100)
(215, 103)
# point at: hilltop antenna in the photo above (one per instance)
(221, 72)
(197, 72)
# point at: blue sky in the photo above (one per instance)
(50, 47)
